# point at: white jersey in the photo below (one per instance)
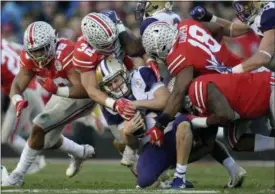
(265, 19)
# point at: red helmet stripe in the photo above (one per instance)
(31, 34)
(102, 23)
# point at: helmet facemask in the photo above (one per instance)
(46, 54)
(120, 81)
(246, 11)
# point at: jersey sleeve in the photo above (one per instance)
(268, 20)
(198, 95)
(177, 60)
(84, 57)
(67, 48)
(25, 61)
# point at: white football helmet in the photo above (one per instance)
(100, 32)
(107, 71)
(158, 39)
(40, 36)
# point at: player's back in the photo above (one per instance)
(9, 65)
(195, 46)
(247, 93)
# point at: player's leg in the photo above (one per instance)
(56, 114)
(184, 138)
(221, 155)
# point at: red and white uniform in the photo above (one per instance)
(57, 69)
(58, 111)
(10, 64)
(241, 91)
(85, 58)
(194, 47)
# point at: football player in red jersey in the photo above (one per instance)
(50, 60)
(223, 99)
(102, 36)
(9, 68)
(187, 51)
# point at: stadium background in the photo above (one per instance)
(66, 17)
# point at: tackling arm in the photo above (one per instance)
(76, 90)
(21, 82)
(262, 57)
(173, 105)
(89, 82)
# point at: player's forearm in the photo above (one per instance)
(232, 29)
(154, 104)
(254, 62)
(17, 88)
(100, 97)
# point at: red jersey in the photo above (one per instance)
(58, 67)
(241, 91)
(249, 43)
(85, 58)
(9, 65)
(194, 47)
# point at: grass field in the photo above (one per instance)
(109, 177)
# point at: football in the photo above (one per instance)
(140, 132)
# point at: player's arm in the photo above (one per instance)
(21, 82)
(230, 29)
(76, 90)
(216, 30)
(217, 104)
(131, 44)
(175, 100)
(161, 96)
(262, 57)
(89, 82)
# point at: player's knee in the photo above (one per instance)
(146, 179)
(36, 139)
(184, 131)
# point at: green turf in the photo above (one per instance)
(95, 176)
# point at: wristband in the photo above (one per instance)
(120, 27)
(230, 29)
(109, 102)
(163, 120)
(238, 69)
(214, 19)
(15, 98)
(63, 91)
(199, 122)
(266, 53)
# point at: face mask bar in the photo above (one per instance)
(245, 10)
(140, 10)
(42, 60)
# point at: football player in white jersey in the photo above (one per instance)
(258, 16)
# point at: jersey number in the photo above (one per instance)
(200, 38)
(85, 48)
(60, 47)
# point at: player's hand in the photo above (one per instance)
(134, 124)
(20, 105)
(218, 67)
(152, 64)
(124, 108)
(156, 136)
(201, 14)
(112, 15)
(49, 86)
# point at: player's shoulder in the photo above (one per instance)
(25, 61)
(267, 19)
(85, 58)
(188, 22)
(64, 53)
